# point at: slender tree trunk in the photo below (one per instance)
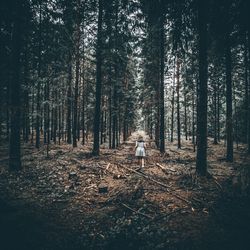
(215, 113)
(55, 125)
(48, 116)
(162, 66)
(69, 101)
(115, 97)
(178, 101)
(78, 36)
(15, 90)
(96, 146)
(105, 127)
(193, 119)
(114, 118)
(83, 103)
(8, 111)
(26, 100)
(229, 121)
(102, 119)
(151, 115)
(185, 114)
(236, 127)
(32, 113)
(59, 120)
(110, 108)
(201, 157)
(45, 113)
(218, 111)
(172, 108)
(248, 88)
(38, 108)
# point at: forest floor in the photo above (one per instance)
(71, 200)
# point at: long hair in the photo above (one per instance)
(140, 138)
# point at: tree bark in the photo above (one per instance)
(178, 101)
(69, 102)
(162, 67)
(201, 157)
(172, 107)
(96, 146)
(78, 34)
(248, 88)
(15, 90)
(38, 108)
(229, 121)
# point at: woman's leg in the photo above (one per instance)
(142, 162)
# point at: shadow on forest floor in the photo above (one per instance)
(57, 202)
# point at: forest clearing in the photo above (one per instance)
(58, 202)
(124, 124)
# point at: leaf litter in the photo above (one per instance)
(106, 202)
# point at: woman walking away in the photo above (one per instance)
(140, 150)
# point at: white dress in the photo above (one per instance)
(140, 149)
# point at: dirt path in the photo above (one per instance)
(56, 203)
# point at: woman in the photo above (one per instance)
(140, 151)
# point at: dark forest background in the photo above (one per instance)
(88, 70)
(81, 80)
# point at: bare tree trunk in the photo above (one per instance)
(229, 121)
(69, 102)
(96, 146)
(83, 104)
(15, 90)
(178, 101)
(172, 108)
(38, 108)
(185, 114)
(218, 111)
(162, 66)
(248, 90)
(78, 36)
(201, 157)
(193, 119)
(215, 112)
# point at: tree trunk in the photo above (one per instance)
(69, 101)
(229, 122)
(83, 104)
(215, 112)
(55, 117)
(96, 146)
(38, 108)
(162, 66)
(178, 101)
(15, 90)
(201, 157)
(193, 118)
(78, 36)
(218, 111)
(185, 114)
(248, 88)
(172, 107)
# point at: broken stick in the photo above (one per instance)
(165, 170)
(138, 212)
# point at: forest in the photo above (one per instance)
(84, 84)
